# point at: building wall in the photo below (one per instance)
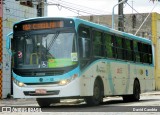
(12, 12)
(131, 23)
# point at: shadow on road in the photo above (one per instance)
(109, 102)
(110, 105)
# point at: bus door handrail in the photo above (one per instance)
(31, 58)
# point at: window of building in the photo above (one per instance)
(27, 3)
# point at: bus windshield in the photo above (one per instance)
(52, 50)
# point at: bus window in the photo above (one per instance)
(108, 45)
(84, 42)
(145, 53)
(29, 49)
(150, 54)
(140, 49)
(120, 54)
(98, 43)
(114, 50)
(136, 51)
(129, 49)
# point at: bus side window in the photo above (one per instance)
(120, 52)
(136, 51)
(114, 49)
(150, 54)
(84, 42)
(140, 49)
(108, 45)
(98, 43)
(129, 49)
(147, 53)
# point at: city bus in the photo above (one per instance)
(70, 58)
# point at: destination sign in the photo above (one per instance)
(42, 25)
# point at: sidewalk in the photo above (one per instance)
(152, 93)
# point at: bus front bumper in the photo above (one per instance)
(70, 90)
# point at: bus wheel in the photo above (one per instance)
(43, 102)
(127, 98)
(136, 91)
(97, 97)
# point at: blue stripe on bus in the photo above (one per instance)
(33, 79)
(118, 61)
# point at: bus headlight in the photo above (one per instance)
(63, 82)
(20, 84)
(66, 81)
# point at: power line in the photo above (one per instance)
(76, 7)
(72, 9)
(82, 7)
(133, 8)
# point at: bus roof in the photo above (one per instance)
(79, 21)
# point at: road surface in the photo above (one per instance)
(148, 104)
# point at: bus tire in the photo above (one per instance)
(45, 102)
(136, 91)
(127, 98)
(98, 94)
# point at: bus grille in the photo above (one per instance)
(32, 93)
(40, 73)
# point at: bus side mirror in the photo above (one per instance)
(8, 43)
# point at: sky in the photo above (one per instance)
(98, 7)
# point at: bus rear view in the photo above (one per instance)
(45, 59)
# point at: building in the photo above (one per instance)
(132, 22)
(12, 11)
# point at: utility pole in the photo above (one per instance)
(120, 17)
(40, 8)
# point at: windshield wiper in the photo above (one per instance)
(53, 40)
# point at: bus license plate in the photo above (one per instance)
(40, 91)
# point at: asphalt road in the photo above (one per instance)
(148, 104)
